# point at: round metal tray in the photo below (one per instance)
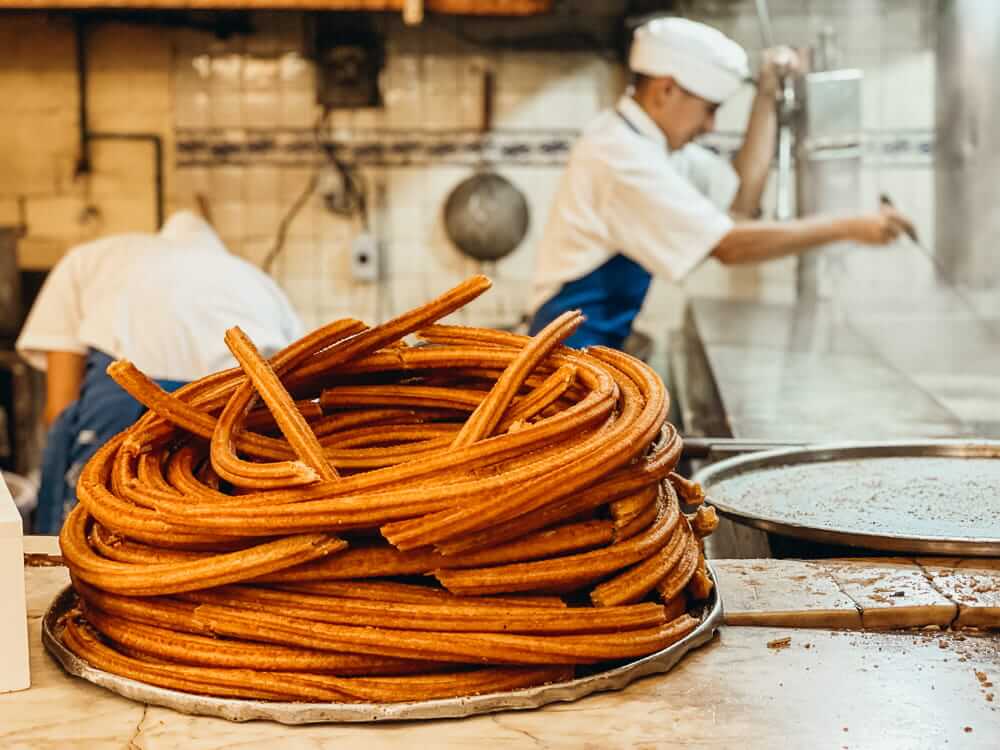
(922, 497)
(310, 713)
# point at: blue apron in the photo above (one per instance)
(101, 412)
(610, 298)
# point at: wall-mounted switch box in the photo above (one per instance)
(365, 258)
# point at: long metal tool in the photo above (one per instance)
(911, 233)
(786, 110)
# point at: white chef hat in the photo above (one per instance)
(703, 60)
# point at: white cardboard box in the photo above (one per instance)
(14, 673)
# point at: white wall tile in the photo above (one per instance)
(226, 73)
(438, 110)
(296, 72)
(441, 74)
(191, 72)
(301, 259)
(261, 184)
(403, 71)
(227, 217)
(191, 109)
(261, 220)
(189, 182)
(256, 249)
(260, 73)
(872, 97)
(404, 108)
(261, 109)
(907, 24)
(908, 91)
(225, 109)
(226, 185)
(298, 108)
(369, 118)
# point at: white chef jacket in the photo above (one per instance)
(163, 301)
(624, 191)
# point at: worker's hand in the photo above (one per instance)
(880, 228)
(777, 63)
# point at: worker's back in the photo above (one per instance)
(179, 301)
(161, 300)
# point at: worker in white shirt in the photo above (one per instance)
(163, 301)
(639, 198)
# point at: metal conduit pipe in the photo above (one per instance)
(84, 165)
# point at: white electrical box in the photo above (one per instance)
(364, 258)
(14, 673)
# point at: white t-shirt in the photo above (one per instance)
(625, 192)
(163, 301)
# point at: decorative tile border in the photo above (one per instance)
(386, 148)
(408, 148)
(881, 147)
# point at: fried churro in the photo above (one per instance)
(356, 519)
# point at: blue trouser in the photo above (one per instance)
(101, 412)
(610, 298)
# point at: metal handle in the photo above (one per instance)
(702, 447)
(911, 233)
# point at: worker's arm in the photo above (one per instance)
(752, 241)
(753, 161)
(63, 377)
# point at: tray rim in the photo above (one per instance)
(818, 453)
(314, 713)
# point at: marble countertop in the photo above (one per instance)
(824, 689)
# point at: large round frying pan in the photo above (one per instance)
(486, 216)
(922, 497)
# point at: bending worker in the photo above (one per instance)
(163, 301)
(640, 198)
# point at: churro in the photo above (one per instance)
(482, 512)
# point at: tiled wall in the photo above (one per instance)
(238, 116)
(254, 153)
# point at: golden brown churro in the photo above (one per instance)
(487, 415)
(186, 648)
(704, 521)
(452, 616)
(471, 482)
(689, 492)
(293, 425)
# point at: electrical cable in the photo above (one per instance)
(353, 198)
(293, 211)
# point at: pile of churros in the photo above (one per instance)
(397, 513)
